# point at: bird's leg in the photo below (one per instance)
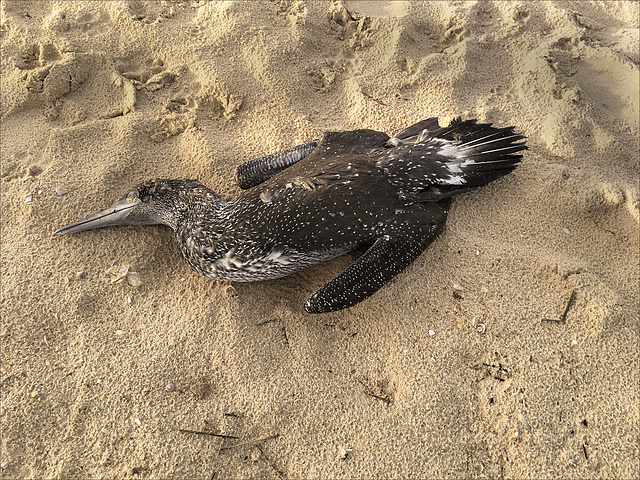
(386, 258)
(254, 172)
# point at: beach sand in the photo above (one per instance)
(509, 349)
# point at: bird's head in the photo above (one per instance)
(155, 202)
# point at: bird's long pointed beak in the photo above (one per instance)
(114, 215)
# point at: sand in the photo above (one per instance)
(468, 365)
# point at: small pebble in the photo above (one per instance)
(61, 191)
(28, 198)
(137, 422)
(170, 387)
(117, 273)
(39, 191)
(79, 275)
(566, 230)
(34, 394)
(129, 300)
(481, 328)
(344, 452)
(4, 465)
(575, 342)
(524, 420)
(134, 279)
(432, 333)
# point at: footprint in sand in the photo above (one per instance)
(453, 37)
(177, 95)
(323, 75)
(611, 85)
(146, 80)
(521, 16)
(66, 19)
(56, 76)
(19, 166)
(151, 11)
(350, 26)
(92, 21)
(36, 55)
(141, 74)
(296, 11)
(483, 15)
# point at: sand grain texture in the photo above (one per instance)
(98, 96)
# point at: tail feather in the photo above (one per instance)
(429, 163)
(415, 130)
(497, 138)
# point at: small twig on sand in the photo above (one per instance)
(269, 462)
(501, 465)
(385, 399)
(266, 321)
(563, 317)
(219, 435)
(572, 298)
(374, 99)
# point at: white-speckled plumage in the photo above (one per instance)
(324, 198)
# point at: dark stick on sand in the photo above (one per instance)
(219, 435)
(563, 317)
(269, 462)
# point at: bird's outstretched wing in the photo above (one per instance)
(407, 235)
(254, 172)
(385, 259)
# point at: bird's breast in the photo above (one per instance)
(237, 266)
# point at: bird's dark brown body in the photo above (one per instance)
(323, 199)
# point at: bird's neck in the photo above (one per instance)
(178, 202)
